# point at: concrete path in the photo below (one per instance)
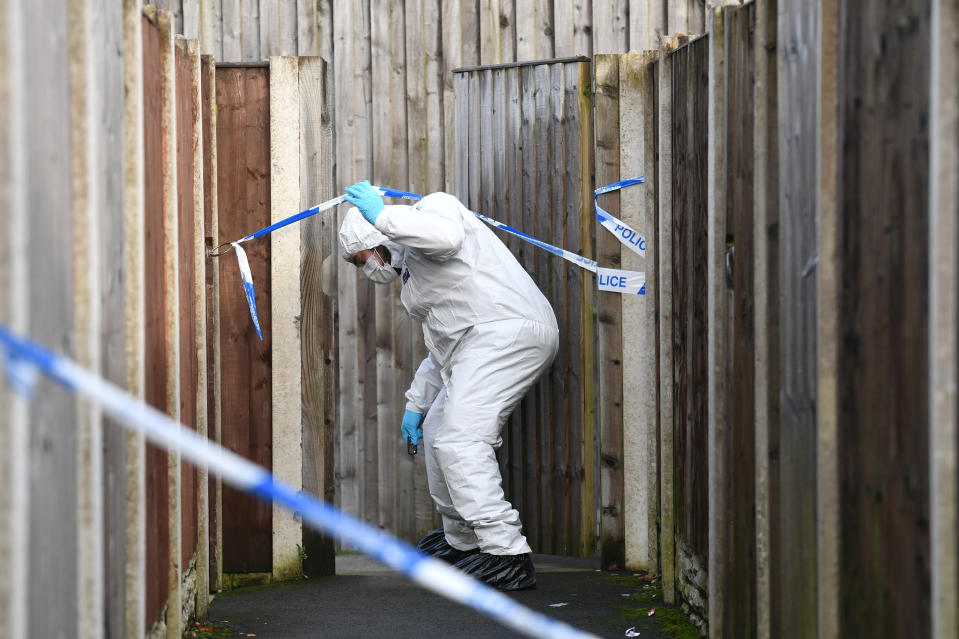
(365, 599)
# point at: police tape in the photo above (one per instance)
(630, 238)
(612, 280)
(24, 360)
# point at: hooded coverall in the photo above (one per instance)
(491, 334)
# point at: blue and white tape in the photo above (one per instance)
(618, 281)
(630, 238)
(20, 355)
(247, 276)
(612, 280)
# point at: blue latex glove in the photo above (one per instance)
(367, 199)
(411, 427)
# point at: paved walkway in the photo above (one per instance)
(365, 599)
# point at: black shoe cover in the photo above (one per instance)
(506, 572)
(435, 544)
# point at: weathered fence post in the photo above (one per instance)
(943, 211)
(716, 313)
(637, 148)
(211, 226)
(664, 252)
(134, 600)
(285, 300)
(14, 436)
(609, 346)
(765, 287)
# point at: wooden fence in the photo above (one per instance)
(526, 133)
(775, 430)
(103, 184)
(799, 223)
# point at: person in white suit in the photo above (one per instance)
(490, 333)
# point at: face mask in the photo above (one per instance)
(376, 271)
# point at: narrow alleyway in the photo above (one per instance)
(366, 600)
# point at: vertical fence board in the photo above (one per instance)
(211, 238)
(14, 446)
(307, 22)
(516, 492)
(716, 311)
(884, 302)
(109, 131)
(52, 588)
(664, 252)
(157, 509)
(943, 236)
(740, 561)
(690, 322)
(689, 130)
(793, 525)
(560, 371)
(609, 346)
(319, 258)
(171, 327)
(243, 195)
(187, 303)
(765, 273)
(539, 227)
(347, 495)
(278, 28)
(382, 42)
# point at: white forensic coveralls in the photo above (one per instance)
(490, 333)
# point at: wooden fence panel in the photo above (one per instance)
(211, 238)
(52, 463)
(187, 276)
(794, 435)
(609, 334)
(883, 204)
(243, 194)
(319, 259)
(690, 320)
(538, 114)
(116, 286)
(157, 494)
(740, 561)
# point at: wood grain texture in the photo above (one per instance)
(319, 258)
(211, 235)
(794, 438)
(52, 493)
(740, 564)
(116, 287)
(171, 240)
(766, 309)
(690, 401)
(279, 28)
(186, 289)
(883, 321)
(609, 338)
(527, 110)
(157, 500)
(243, 194)
(718, 311)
